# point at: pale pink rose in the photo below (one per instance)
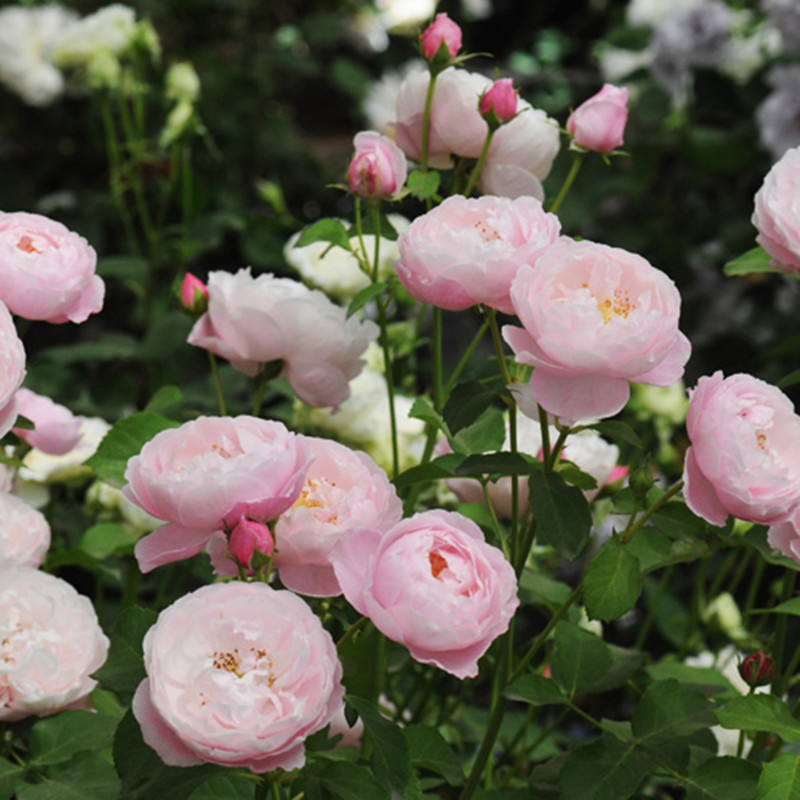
(47, 272)
(254, 321)
(745, 454)
(521, 154)
(24, 533)
(238, 674)
(467, 251)
(208, 473)
(344, 489)
(501, 100)
(50, 643)
(594, 318)
(12, 370)
(456, 125)
(57, 429)
(431, 583)
(599, 123)
(777, 212)
(441, 30)
(193, 294)
(378, 168)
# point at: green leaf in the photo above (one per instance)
(726, 778)
(791, 379)
(789, 607)
(224, 787)
(166, 398)
(364, 296)
(575, 476)
(325, 230)
(58, 738)
(606, 769)
(760, 712)
(343, 781)
(780, 779)
(423, 409)
(87, 775)
(427, 749)
(129, 269)
(619, 432)
(536, 690)
(624, 664)
(442, 467)
(106, 538)
(708, 679)
(423, 185)
(9, 775)
(668, 710)
(487, 433)
(756, 537)
(580, 658)
(125, 440)
(541, 589)
(563, 518)
(111, 346)
(495, 465)
(755, 260)
(466, 403)
(613, 582)
(124, 668)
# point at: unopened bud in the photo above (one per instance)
(378, 168)
(757, 669)
(193, 294)
(442, 31)
(248, 536)
(498, 104)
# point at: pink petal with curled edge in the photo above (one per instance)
(580, 397)
(699, 493)
(169, 543)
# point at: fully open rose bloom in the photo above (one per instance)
(777, 212)
(431, 583)
(50, 643)
(254, 321)
(237, 674)
(745, 453)
(467, 252)
(599, 122)
(595, 317)
(12, 370)
(47, 272)
(24, 533)
(210, 472)
(57, 429)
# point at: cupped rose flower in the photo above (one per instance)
(777, 213)
(57, 429)
(378, 168)
(255, 321)
(744, 458)
(24, 533)
(594, 318)
(47, 272)
(467, 251)
(238, 674)
(12, 370)
(599, 123)
(441, 31)
(50, 643)
(431, 583)
(208, 473)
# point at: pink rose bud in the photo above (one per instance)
(599, 123)
(248, 536)
(499, 101)
(378, 168)
(193, 294)
(757, 669)
(442, 31)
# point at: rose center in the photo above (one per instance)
(313, 496)
(487, 233)
(438, 563)
(25, 244)
(254, 659)
(618, 305)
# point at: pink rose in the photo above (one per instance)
(12, 370)
(431, 583)
(777, 212)
(57, 429)
(24, 533)
(745, 453)
(599, 123)
(248, 536)
(193, 294)
(238, 674)
(344, 489)
(50, 643)
(595, 317)
(500, 100)
(208, 473)
(378, 168)
(47, 272)
(467, 252)
(255, 321)
(441, 31)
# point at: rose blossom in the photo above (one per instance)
(208, 473)
(595, 317)
(378, 168)
(745, 453)
(777, 212)
(12, 370)
(467, 251)
(599, 123)
(24, 533)
(441, 31)
(431, 583)
(57, 429)
(238, 674)
(50, 643)
(47, 272)
(254, 321)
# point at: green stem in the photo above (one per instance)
(495, 522)
(633, 527)
(426, 123)
(547, 453)
(438, 394)
(473, 178)
(350, 632)
(491, 315)
(779, 685)
(575, 168)
(466, 357)
(217, 383)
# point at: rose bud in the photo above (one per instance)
(442, 31)
(193, 294)
(499, 103)
(757, 669)
(378, 168)
(599, 123)
(248, 536)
